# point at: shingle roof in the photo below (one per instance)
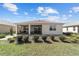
(71, 24)
(37, 22)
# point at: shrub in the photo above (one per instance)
(12, 40)
(67, 41)
(68, 33)
(53, 39)
(11, 31)
(64, 39)
(46, 40)
(35, 38)
(19, 40)
(40, 40)
(2, 35)
(75, 40)
(7, 33)
(26, 39)
(77, 37)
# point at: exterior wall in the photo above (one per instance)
(46, 27)
(5, 28)
(70, 29)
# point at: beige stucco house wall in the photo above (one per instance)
(45, 29)
(6, 26)
(45, 26)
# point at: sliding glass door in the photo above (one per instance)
(36, 29)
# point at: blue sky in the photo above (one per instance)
(63, 12)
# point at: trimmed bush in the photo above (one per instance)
(40, 40)
(45, 39)
(67, 41)
(31, 39)
(68, 33)
(11, 31)
(53, 39)
(77, 37)
(64, 39)
(36, 39)
(75, 40)
(26, 39)
(7, 33)
(48, 40)
(12, 40)
(19, 40)
(2, 36)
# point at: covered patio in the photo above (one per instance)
(29, 29)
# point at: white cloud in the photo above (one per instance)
(15, 13)
(26, 13)
(50, 10)
(64, 17)
(58, 19)
(75, 9)
(40, 9)
(44, 14)
(53, 18)
(11, 7)
(44, 11)
(69, 15)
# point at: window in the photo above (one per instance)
(74, 28)
(52, 28)
(25, 30)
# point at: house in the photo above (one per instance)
(39, 27)
(71, 27)
(5, 26)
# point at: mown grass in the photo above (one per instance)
(39, 49)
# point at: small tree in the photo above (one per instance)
(11, 31)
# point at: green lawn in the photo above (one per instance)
(43, 49)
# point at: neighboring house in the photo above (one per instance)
(71, 27)
(6, 26)
(39, 27)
